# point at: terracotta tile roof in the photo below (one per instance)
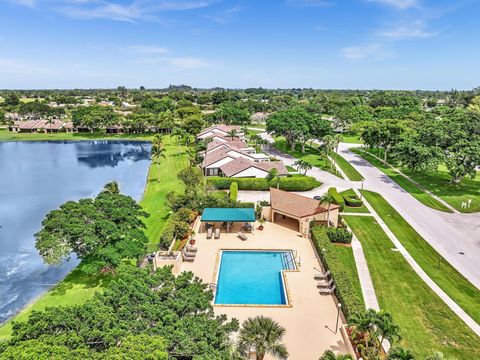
(44, 124)
(296, 205)
(215, 156)
(29, 124)
(224, 128)
(235, 144)
(240, 164)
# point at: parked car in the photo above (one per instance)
(317, 197)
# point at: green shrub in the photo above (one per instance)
(352, 201)
(246, 205)
(345, 291)
(234, 191)
(168, 233)
(303, 183)
(182, 229)
(185, 215)
(337, 198)
(339, 235)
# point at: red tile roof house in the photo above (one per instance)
(24, 126)
(220, 132)
(241, 167)
(41, 126)
(221, 155)
(297, 211)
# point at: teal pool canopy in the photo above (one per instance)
(228, 215)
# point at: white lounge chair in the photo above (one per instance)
(321, 276)
(325, 284)
(327, 291)
(209, 233)
(188, 256)
(217, 233)
(190, 249)
(242, 236)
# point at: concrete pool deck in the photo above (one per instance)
(310, 321)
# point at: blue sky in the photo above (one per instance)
(361, 44)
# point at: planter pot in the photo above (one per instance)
(192, 242)
(260, 227)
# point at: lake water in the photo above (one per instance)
(36, 177)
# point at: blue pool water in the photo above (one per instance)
(252, 277)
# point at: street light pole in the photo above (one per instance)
(339, 306)
(361, 194)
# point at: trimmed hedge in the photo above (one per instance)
(339, 235)
(352, 201)
(345, 291)
(337, 198)
(246, 205)
(168, 233)
(234, 191)
(301, 183)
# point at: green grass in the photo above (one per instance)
(426, 323)
(290, 168)
(407, 185)
(311, 155)
(162, 179)
(349, 209)
(76, 288)
(347, 168)
(351, 138)
(6, 135)
(438, 269)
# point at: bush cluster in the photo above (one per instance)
(301, 183)
(352, 201)
(245, 205)
(345, 291)
(177, 226)
(337, 198)
(339, 235)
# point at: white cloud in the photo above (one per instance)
(373, 51)
(147, 49)
(398, 4)
(223, 16)
(187, 62)
(131, 12)
(27, 3)
(406, 32)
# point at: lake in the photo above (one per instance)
(36, 177)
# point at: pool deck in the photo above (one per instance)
(310, 321)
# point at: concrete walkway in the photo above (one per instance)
(455, 236)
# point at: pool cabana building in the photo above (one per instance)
(228, 219)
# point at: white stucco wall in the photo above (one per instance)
(251, 172)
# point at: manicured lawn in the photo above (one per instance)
(162, 179)
(348, 169)
(426, 323)
(350, 209)
(311, 155)
(466, 295)
(6, 135)
(76, 288)
(291, 168)
(406, 184)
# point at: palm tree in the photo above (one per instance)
(385, 328)
(398, 353)
(272, 176)
(306, 166)
(328, 141)
(232, 134)
(329, 199)
(158, 151)
(112, 188)
(50, 122)
(337, 139)
(263, 335)
(330, 355)
(363, 323)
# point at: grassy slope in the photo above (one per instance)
(347, 168)
(162, 179)
(74, 289)
(426, 323)
(6, 135)
(77, 287)
(311, 155)
(406, 184)
(349, 209)
(466, 295)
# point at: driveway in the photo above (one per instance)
(455, 236)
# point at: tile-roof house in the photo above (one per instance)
(241, 167)
(287, 207)
(219, 132)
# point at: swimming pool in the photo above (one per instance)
(253, 277)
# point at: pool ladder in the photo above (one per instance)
(290, 261)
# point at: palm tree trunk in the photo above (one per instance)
(328, 215)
